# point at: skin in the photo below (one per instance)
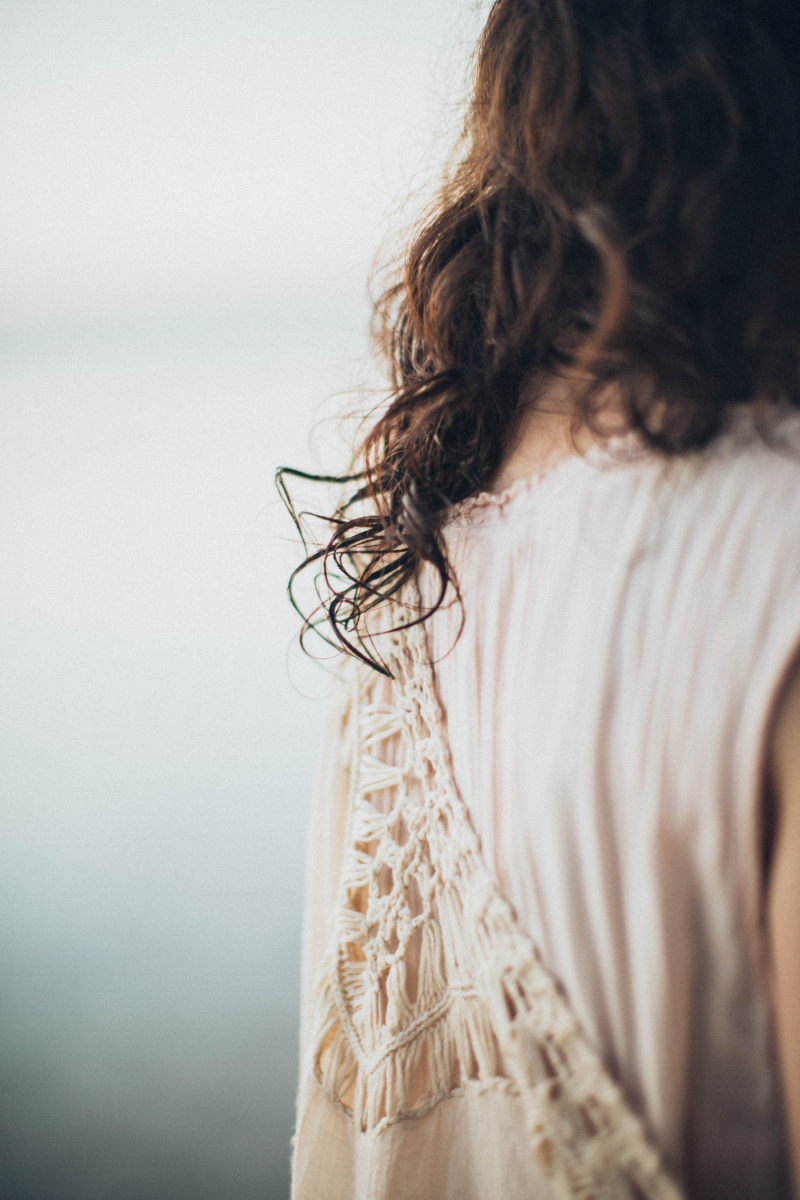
(542, 439)
(544, 434)
(783, 902)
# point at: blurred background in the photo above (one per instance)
(192, 195)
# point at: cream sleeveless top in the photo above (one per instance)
(534, 962)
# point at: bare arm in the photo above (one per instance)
(783, 903)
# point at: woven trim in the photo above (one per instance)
(431, 988)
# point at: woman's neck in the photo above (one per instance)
(546, 432)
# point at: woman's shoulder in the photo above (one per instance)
(741, 496)
(764, 448)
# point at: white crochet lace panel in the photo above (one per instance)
(431, 987)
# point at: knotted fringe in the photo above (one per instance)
(431, 988)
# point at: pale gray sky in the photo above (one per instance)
(165, 149)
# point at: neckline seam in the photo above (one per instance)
(624, 450)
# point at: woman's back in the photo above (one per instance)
(628, 621)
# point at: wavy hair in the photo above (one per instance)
(625, 207)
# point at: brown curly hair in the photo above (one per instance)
(626, 207)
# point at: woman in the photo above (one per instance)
(551, 939)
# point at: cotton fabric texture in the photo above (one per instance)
(534, 961)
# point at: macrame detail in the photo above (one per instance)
(431, 988)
